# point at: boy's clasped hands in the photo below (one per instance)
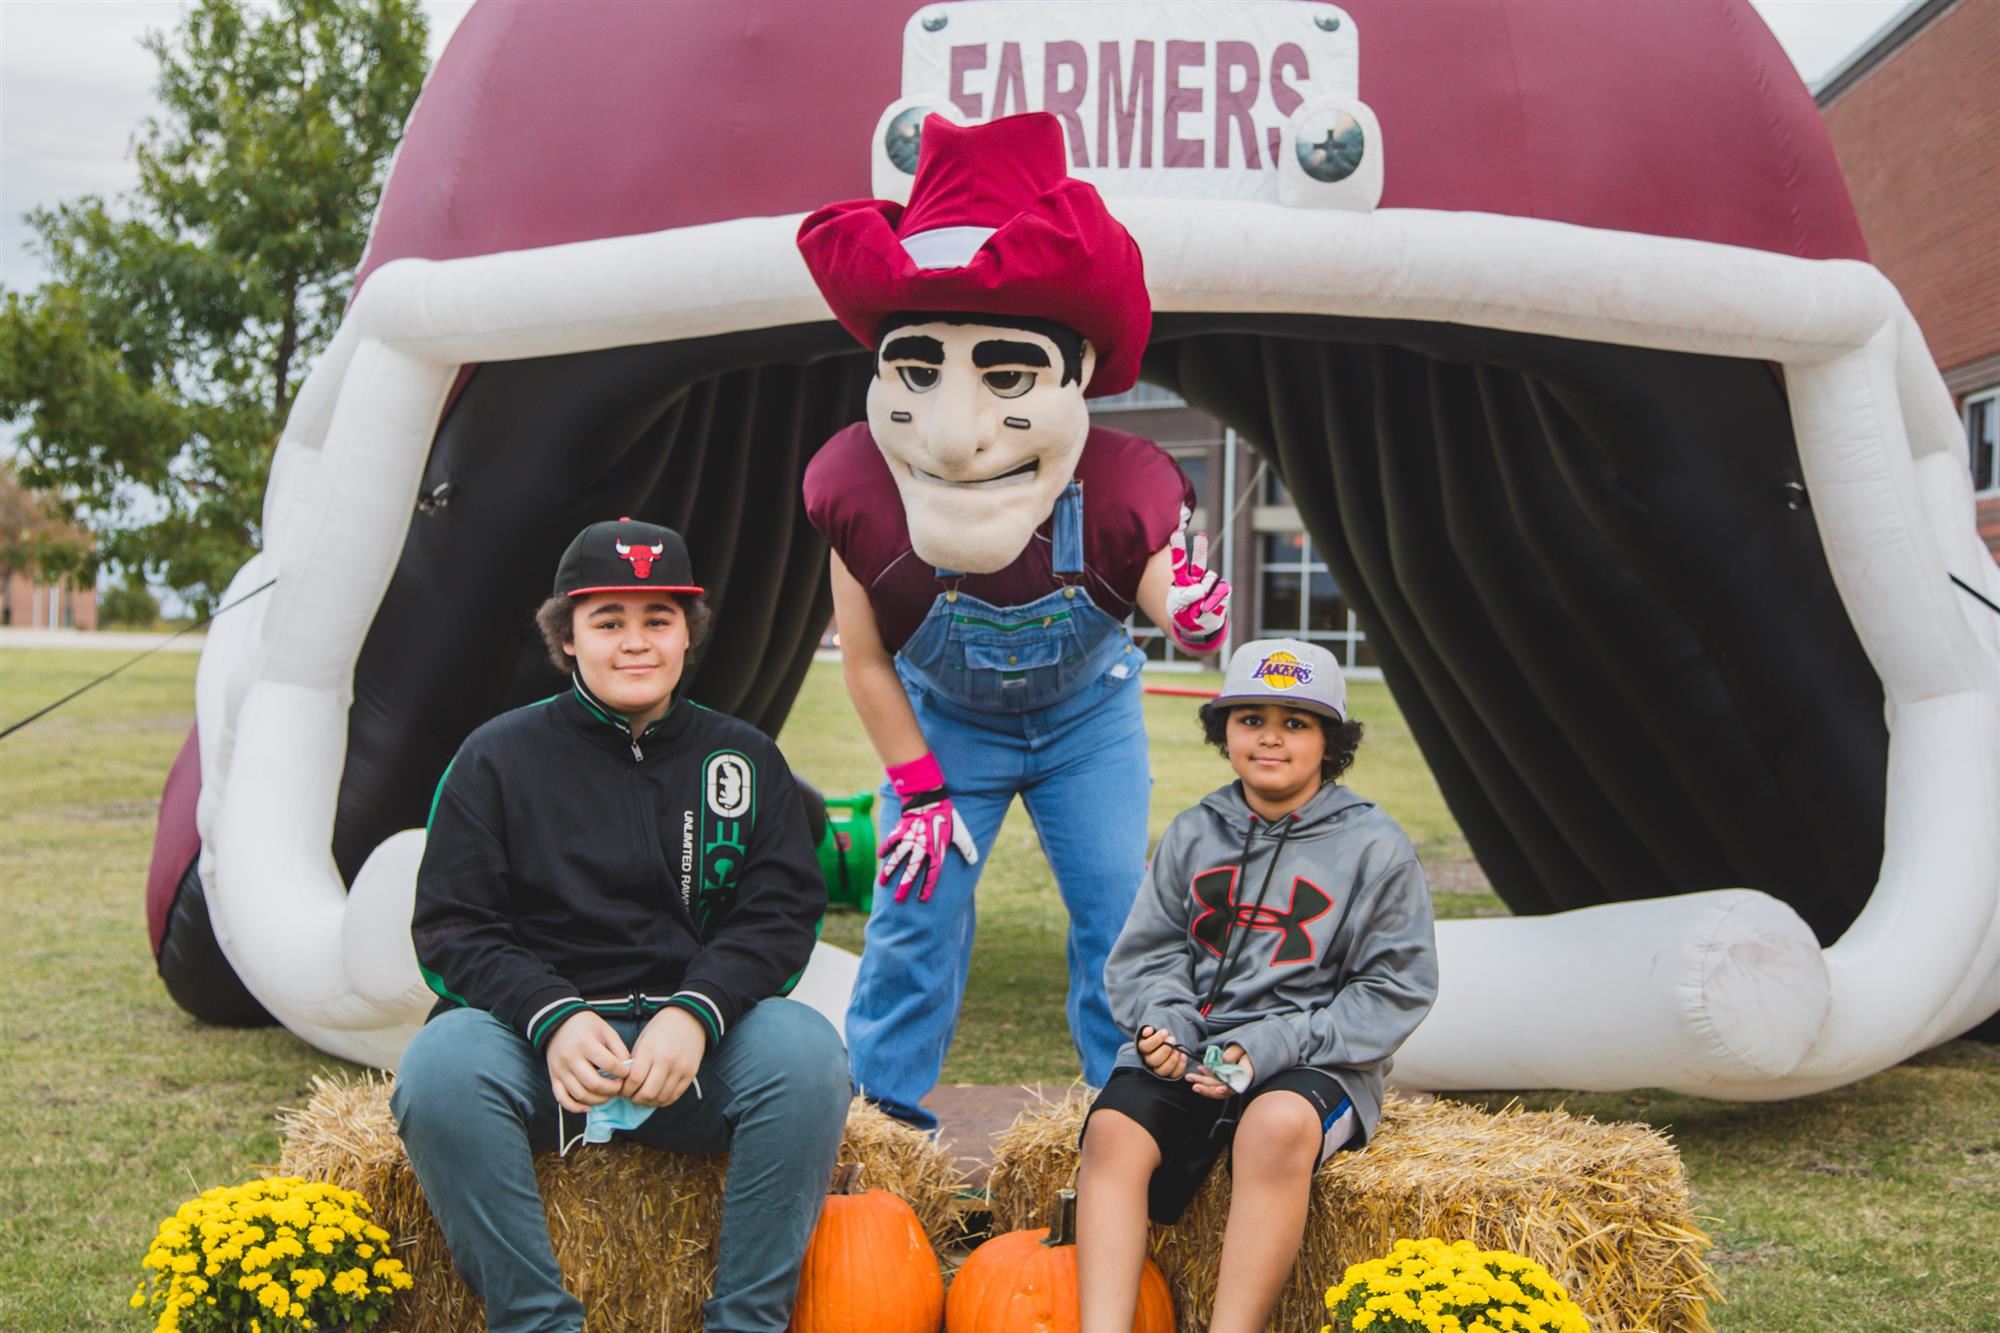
(1169, 1059)
(589, 1063)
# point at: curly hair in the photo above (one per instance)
(556, 620)
(1343, 737)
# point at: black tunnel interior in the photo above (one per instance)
(1590, 575)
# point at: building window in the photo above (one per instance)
(1195, 466)
(1298, 599)
(1982, 437)
(1139, 397)
(1153, 642)
(1274, 489)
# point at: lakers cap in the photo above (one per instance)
(1287, 672)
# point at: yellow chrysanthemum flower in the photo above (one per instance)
(249, 1240)
(1432, 1285)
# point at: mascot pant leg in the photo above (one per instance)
(1081, 766)
(914, 961)
(1088, 792)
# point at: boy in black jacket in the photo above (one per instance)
(617, 887)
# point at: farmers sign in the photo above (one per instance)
(1163, 99)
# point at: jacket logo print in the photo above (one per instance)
(728, 785)
(1215, 891)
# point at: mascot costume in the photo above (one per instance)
(988, 544)
(1554, 319)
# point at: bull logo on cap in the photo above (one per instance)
(1282, 671)
(641, 556)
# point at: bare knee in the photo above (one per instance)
(1279, 1136)
(1115, 1143)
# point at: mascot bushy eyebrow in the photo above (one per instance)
(988, 545)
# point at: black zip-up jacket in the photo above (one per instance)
(571, 866)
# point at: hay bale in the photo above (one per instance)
(634, 1227)
(1604, 1207)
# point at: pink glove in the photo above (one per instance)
(928, 828)
(1198, 601)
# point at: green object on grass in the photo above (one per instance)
(847, 850)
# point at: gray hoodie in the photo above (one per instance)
(1326, 922)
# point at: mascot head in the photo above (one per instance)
(999, 297)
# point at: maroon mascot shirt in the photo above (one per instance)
(1132, 498)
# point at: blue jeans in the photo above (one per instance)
(1080, 767)
(472, 1102)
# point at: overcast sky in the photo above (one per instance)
(75, 86)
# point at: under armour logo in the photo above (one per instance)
(1215, 891)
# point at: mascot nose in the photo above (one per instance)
(955, 431)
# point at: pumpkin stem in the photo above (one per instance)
(1064, 1231)
(847, 1179)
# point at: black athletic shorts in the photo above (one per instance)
(1193, 1130)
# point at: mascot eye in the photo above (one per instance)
(919, 379)
(1009, 383)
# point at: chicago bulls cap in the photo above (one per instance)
(1288, 672)
(625, 556)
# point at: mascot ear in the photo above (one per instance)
(1089, 364)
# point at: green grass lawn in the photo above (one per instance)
(1875, 1207)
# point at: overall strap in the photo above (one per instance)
(1067, 557)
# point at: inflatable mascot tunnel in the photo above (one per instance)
(1554, 319)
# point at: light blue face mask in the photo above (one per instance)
(606, 1119)
(616, 1114)
(1232, 1075)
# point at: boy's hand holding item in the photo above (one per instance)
(587, 1062)
(665, 1058)
(929, 828)
(1160, 1052)
(1222, 1072)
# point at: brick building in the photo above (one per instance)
(27, 600)
(27, 603)
(1915, 121)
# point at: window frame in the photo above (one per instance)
(1990, 400)
(1344, 643)
(1143, 396)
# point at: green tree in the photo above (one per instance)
(31, 538)
(151, 374)
(128, 603)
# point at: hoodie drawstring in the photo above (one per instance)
(1230, 936)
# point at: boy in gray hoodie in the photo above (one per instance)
(1285, 926)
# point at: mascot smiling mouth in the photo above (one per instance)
(1024, 473)
(1640, 479)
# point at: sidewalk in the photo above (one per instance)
(107, 641)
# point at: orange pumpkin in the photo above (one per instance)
(1025, 1282)
(869, 1268)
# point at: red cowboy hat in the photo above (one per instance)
(994, 226)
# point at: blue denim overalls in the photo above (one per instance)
(1040, 700)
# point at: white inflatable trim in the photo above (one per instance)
(1722, 993)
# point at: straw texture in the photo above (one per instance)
(1604, 1207)
(634, 1228)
